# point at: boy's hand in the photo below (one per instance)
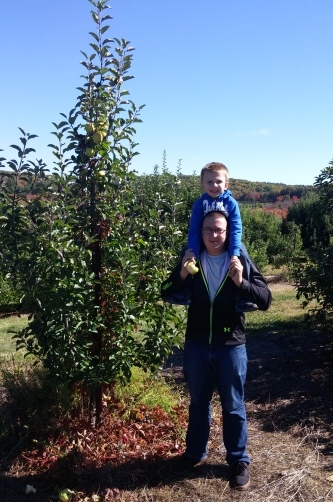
(236, 270)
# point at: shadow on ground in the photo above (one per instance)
(290, 381)
(106, 480)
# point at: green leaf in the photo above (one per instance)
(17, 148)
(95, 47)
(29, 150)
(94, 35)
(95, 17)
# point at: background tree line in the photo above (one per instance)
(163, 201)
(243, 190)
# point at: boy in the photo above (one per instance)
(216, 197)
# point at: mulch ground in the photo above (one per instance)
(290, 414)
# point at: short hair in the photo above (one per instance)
(215, 213)
(214, 166)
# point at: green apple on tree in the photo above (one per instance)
(90, 152)
(90, 128)
(98, 137)
(103, 127)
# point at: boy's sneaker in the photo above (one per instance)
(183, 464)
(244, 306)
(240, 477)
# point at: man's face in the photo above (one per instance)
(214, 233)
(214, 183)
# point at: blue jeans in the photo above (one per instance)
(207, 367)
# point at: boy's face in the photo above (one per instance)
(214, 183)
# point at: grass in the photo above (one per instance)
(148, 390)
(8, 325)
(285, 313)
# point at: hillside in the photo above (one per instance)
(242, 190)
(254, 191)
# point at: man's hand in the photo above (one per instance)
(189, 257)
(236, 270)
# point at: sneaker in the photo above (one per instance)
(240, 477)
(184, 463)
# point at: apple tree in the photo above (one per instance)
(263, 237)
(91, 253)
(18, 186)
(314, 276)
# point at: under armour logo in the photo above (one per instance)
(226, 330)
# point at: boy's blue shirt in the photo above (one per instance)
(205, 204)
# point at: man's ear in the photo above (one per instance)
(227, 183)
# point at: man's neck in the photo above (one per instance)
(216, 254)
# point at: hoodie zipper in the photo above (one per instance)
(212, 302)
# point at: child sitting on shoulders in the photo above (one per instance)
(216, 197)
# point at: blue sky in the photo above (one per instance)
(244, 82)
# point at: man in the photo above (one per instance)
(214, 352)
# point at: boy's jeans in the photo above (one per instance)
(207, 367)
